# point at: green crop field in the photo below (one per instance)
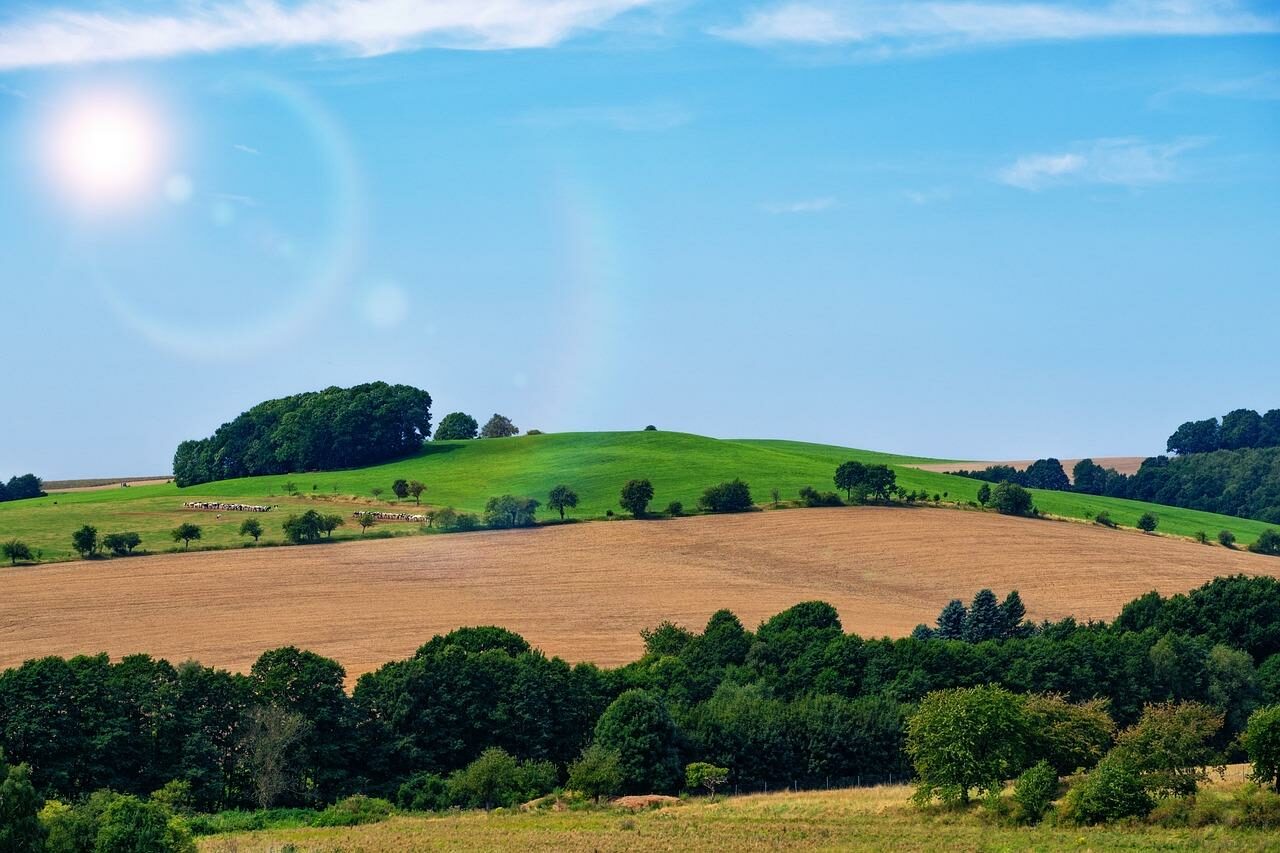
(464, 474)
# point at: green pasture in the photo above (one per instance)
(464, 474)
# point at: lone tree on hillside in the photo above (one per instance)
(1226, 539)
(1268, 542)
(733, 496)
(635, 497)
(1011, 499)
(562, 498)
(367, 520)
(415, 491)
(984, 494)
(499, 426)
(15, 550)
(510, 511)
(457, 425)
(184, 533)
(330, 523)
(400, 488)
(849, 476)
(1148, 522)
(85, 541)
(251, 527)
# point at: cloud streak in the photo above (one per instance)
(358, 27)
(920, 26)
(1119, 162)
(808, 205)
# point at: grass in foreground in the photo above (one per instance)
(863, 819)
(465, 474)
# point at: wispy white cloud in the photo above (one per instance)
(1257, 87)
(360, 27)
(247, 149)
(1123, 162)
(916, 26)
(927, 196)
(635, 118)
(808, 205)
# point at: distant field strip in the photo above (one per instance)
(585, 591)
(465, 474)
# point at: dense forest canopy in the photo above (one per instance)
(314, 431)
(797, 701)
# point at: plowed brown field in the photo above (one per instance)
(584, 591)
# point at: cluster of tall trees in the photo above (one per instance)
(796, 701)
(21, 488)
(320, 430)
(1244, 483)
(1238, 430)
(460, 425)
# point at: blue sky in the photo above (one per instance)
(973, 230)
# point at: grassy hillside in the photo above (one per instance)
(465, 474)
(860, 818)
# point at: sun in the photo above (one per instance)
(105, 147)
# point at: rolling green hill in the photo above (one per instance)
(464, 474)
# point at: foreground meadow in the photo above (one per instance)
(886, 569)
(860, 818)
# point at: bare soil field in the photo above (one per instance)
(1122, 464)
(54, 486)
(585, 591)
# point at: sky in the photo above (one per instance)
(956, 228)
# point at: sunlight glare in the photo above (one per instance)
(104, 147)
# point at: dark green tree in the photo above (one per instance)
(1261, 741)
(185, 532)
(1148, 522)
(300, 529)
(1012, 614)
(951, 621)
(251, 527)
(965, 739)
(1268, 542)
(498, 426)
(639, 728)
(635, 497)
(849, 476)
(562, 498)
(984, 494)
(416, 488)
(597, 772)
(1011, 499)
(20, 829)
(15, 550)
(733, 496)
(85, 541)
(510, 511)
(400, 488)
(456, 425)
(985, 621)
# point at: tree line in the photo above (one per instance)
(320, 430)
(22, 487)
(796, 702)
(1240, 429)
(1244, 483)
